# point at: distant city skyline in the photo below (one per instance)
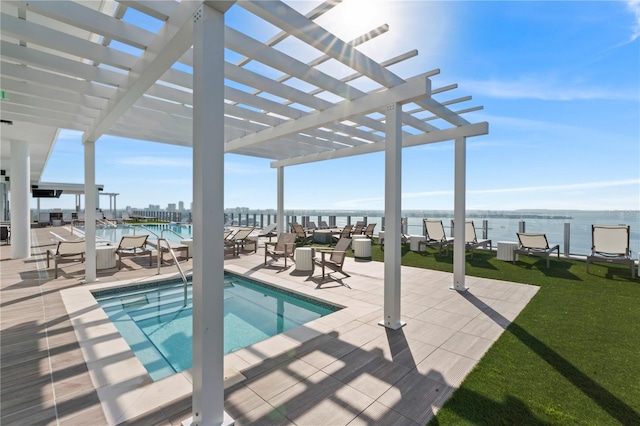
(558, 82)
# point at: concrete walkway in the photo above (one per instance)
(340, 369)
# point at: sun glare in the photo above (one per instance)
(353, 18)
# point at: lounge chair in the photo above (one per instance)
(368, 231)
(534, 245)
(434, 231)
(610, 243)
(269, 231)
(173, 245)
(126, 217)
(335, 260)
(133, 245)
(311, 226)
(358, 229)
(471, 240)
(302, 236)
(65, 252)
(241, 238)
(323, 225)
(283, 248)
(345, 233)
(229, 243)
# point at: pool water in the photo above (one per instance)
(115, 233)
(158, 327)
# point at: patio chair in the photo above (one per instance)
(358, 229)
(302, 236)
(269, 231)
(610, 243)
(471, 240)
(131, 246)
(66, 252)
(335, 260)
(345, 233)
(241, 239)
(229, 243)
(534, 245)
(311, 226)
(323, 225)
(284, 247)
(434, 231)
(368, 231)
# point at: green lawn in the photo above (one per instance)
(571, 357)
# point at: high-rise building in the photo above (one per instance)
(171, 207)
(181, 206)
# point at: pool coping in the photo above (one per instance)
(123, 385)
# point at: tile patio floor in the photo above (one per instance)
(63, 363)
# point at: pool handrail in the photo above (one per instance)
(172, 231)
(175, 259)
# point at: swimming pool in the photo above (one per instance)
(115, 233)
(157, 326)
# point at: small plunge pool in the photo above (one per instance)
(158, 328)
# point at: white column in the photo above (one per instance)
(90, 202)
(208, 218)
(20, 213)
(392, 213)
(280, 201)
(459, 213)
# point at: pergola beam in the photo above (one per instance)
(170, 44)
(79, 16)
(469, 130)
(296, 24)
(408, 92)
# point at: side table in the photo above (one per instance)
(414, 242)
(304, 259)
(105, 257)
(361, 247)
(505, 251)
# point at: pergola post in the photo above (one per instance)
(208, 216)
(280, 201)
(20, 213)
(459, 213)
(90, 203)
(392, 212)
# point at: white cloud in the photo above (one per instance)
(542, 88)
(634, 7)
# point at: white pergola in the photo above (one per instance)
(78, 65)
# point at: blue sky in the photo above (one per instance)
(560, 86)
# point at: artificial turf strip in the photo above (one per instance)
(572, 356)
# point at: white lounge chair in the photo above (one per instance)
(534, 245)
(610, 243)
(133, 245)
(434, 231)
(471, 240)
(269, 231)
(65, 252)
